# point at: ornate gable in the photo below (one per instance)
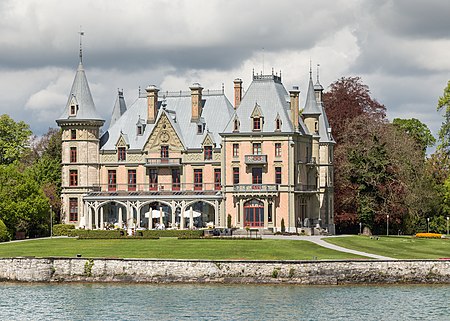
(163, 134)
(122, 141)
(208, 140)
(257, 112)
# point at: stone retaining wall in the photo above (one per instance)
(202, 271)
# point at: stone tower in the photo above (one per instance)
(80, 124)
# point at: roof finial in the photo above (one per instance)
(310, 68)
(81, 33)
(318, 65)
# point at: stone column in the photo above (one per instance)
(96, 218)
(102, 222)
(160, 216)
(173, 215)
(120, 217)
(266, 212)
(216, 213)
(138, 217)
(241, 212)
(89, 218)
(191, 218)
(150, 219)
(182, 218)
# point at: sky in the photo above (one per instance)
(400, 49)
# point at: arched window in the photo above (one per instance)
(236, 125)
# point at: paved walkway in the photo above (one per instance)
(319, 240)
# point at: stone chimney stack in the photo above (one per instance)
(237, 92)
(152, 103)
(196, 98)
(294, 94)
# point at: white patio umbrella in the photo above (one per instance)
(155, 214)
(194, 214)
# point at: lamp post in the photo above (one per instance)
(428, 225)
(51, 222)
(360, 228)
(387, 225)
(448, 218)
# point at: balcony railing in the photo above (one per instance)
(255, 159)
(157, 187)
(163, 162)
(255, 188)
(305, 188)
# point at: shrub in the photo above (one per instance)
(62, 229)
(4, 235)
(229, 221)
(283, 227)
(97, 234)
(173, 233)
(429, 235)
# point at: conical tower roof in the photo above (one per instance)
(311, 107)
(80, 96)
(119, 108)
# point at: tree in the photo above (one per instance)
(444, 132)
(417, 130)
(347, 99)
(13, 139)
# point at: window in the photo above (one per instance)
(164, 151)
(73, 177)
(139, 130)
(235, 175)
(131, 179)
(254, 213)
(277, 149)
(269, 213)
(235, 150)
(217, 179)
(175, 179)
(73, 154)
(198, 179)
(121, 154)
(112, 184)
(208, 152)
(278, 124)
(73, 134)
(73, 209)
(277, 175)
(73, 110)
(257, 175)
(256, 148)
(316, 127)
(256, 123)
(153, 179)
(199, 129)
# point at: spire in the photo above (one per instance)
(318, 86)
(81, 33)
(119, 107)
(311, 107)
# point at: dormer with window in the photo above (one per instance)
(73, 107)
(140, 126)
(236, 124)
(208, 143)
(257, 118)
(278, 123)
(122, 146)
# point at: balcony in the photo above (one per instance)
(159, 188)
(255, 188)
(163, 162)
(255, 159)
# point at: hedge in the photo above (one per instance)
(62, 229)
(4, 235)
(173, 233)
(429, 235)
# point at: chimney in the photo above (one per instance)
(294, 94)
(196, 98)
(237, 92)
(152, 103)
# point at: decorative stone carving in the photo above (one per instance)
(163, 133)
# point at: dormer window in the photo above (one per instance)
(200, 129)
(139, 130)
(278, 124)
(236, 125)
(256, 123)
(73, 110)
(208, 152)
(121, 154)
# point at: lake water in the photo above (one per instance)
(222, 302)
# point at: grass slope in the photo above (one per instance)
(172, 248)
(402, 247)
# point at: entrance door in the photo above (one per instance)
(254, 213)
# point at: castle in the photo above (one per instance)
(192, 159)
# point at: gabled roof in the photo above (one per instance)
(80, 94)
(272, 99)
(324, 127)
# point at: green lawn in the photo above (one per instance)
(402, 247)
(172, 248)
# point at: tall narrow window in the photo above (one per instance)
(236, 125)
(277, 149)
(139, 130)
(175, 179)
(278, 124)
(235, 175)
(256, 148)
(73, 209)
(198, 179)
(112, 183)
(73, 134)
(235, 150)
(217, 179)
(257, 175)
(256, 123)
(164, 151)
(208, 152)
(121, 154)
(73, 177)
(153, 186)
(73, 154)
(131, 179)
(277, 175)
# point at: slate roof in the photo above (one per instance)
(311, 106)
(119, 109)
(217, 111)
(81, 95)
(269, 94)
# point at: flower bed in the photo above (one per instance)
(429, 235)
